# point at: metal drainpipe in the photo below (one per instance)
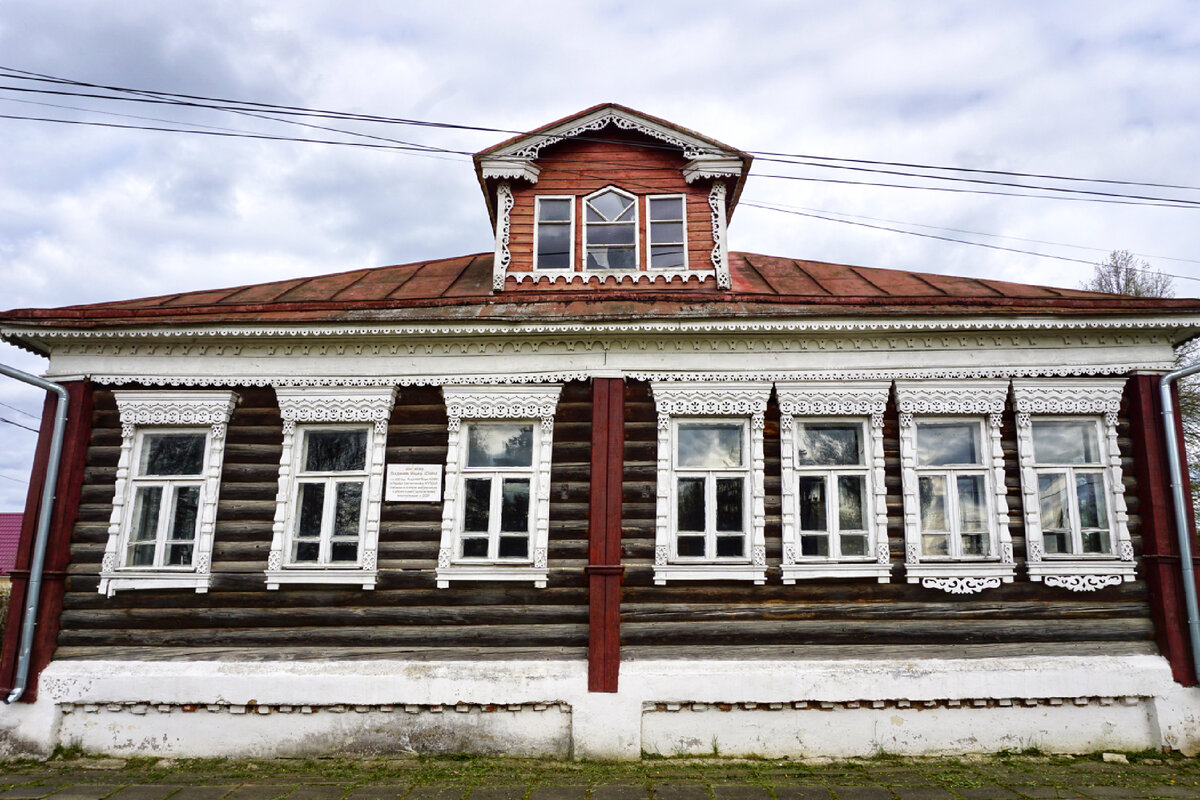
(1181, 517)
(34, 591)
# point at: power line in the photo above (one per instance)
(19, 425)
(948, 239)
(19, 411)
(14, 480)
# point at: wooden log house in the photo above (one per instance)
(611, 489)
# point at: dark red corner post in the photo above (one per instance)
(604, 568)
(62, 521)
(1160, 546)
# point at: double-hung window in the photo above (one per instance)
(1075, 518)
(667, 231)
(834, 498)
(710, 481)
(610, 230)
(956, 517)
(168, 478)
(496, 516)
(554, 233)
(328, 503)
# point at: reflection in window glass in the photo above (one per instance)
(946, 444)
(554, 233)
(827, 444)
(851, 497)
(1065, 442)
(611, 231)
(499, 445)
(335, 451)
(710, 446)
(690, 502)
(166, 454)
(666, 232)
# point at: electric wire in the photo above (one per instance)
(19, 411)
(19, 425)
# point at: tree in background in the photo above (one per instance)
(1124, 273)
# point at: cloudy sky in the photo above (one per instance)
(1092, 89)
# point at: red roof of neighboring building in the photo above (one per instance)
(459, 289)
(10, 536)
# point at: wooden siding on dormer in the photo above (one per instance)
(629, 161)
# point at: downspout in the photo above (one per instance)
(1181, 528)
(36, 565)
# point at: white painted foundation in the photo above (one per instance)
(769, 708)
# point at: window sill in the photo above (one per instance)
(804, 570)
(492, 572)
(960, 577)
(112, 582)
(1080, 575)
(334, 575)
(710, 572)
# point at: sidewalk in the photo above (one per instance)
(1001, 777)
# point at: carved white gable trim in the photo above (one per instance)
(729, 400)
(305, 406)
(169, 409)
(964, 398)
(845, 401)
(535, 403)
(503, 257)
(720, 251)
(1097, 399)
(713, 167)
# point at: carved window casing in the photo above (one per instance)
(496, 512)
(160, 533)
(710, 516)
(834, 496)
(956, 533)
(330, 477)
(1076, 525)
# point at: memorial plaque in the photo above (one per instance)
(413, 483)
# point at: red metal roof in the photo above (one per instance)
(459, 289)
(10, 536)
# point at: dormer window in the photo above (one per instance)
(554, 245)
(610, 230)
(668, 240)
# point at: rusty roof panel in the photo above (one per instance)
(324, 287)
(265, 292)
(786, 276)
(958, 287)
(895, 283)
(839, 280)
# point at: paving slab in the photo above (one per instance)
(87, 791)
(497, 793)
(678, 791)
(426, 792)
(558, 793)
(862, 793)
(203, 792)
(1050, 793)
(25, 792)
(261, 791)
(318, 791)
(992, 792)
(802, 793)
(381, 791)
(1166, 790)
(145, 791)
(15, 778)
(614, 791)
(739, 791)
(922, 793)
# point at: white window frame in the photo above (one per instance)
(324, 408)
(980, 402)
(650, 231)
(534, 405)
(715, 403)
(570, 225)
(1087, 400)
(859, 402)
(636, 223)
(143, 412)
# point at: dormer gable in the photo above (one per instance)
(611, 195)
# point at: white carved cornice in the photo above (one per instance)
(1094, 397)
(174, 408)
(951, 397)
(834, 398)
(509, 168)
(335, 404)
(711, 399)
(501, 402)
(713, 167)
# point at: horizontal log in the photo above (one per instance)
(463, 594)
(884, 612)
(909, 653)
(324, 653)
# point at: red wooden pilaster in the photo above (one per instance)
(58, 546)
(604, 534)
(1160, 548)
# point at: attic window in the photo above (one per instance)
(554, 233)
(610, 230)
(668, 244)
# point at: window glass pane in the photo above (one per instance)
(821, 444)
(499, 445)
(146, 505)
(973, 544)
(172, 454)
(1056, 541)
(554, 210)
(690, 504)
(812, 503)
(710, 446)
(730, 546)
(611, 234)
(814, 545)
(1093, 511)
(341, 552)
(611, 258)
(554, 247)
(936, 544)
(947, 444)
(729, 505)
(854, 545)
(851, 495)
(1096, 542)
(348, 509)
(626, 215)
(179, 555)
(666, 232)
(306, 551)
(666, 208)
(514, 547)
(932, 496)
(972, 508)
(335, 451)
(1065, 442)
(312, 508)
(691, 546)
(183, 520)
(1052, 497)
(514, 506)
(665, 256)
(475, 548)
(610, 204)
(477, 504)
